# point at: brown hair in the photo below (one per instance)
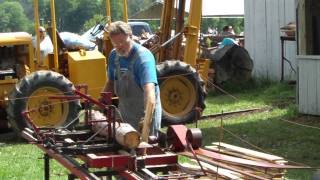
(119, 27)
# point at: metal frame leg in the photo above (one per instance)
(46, 159)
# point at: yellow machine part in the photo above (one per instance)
(180, 95)
(88, 67)
(50, 113)
(202, 66)
(6, 86)
(15, 38)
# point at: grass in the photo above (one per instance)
(266, 129)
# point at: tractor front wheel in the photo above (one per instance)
(33, 93)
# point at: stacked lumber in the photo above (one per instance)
(235, 151)
(233, 162)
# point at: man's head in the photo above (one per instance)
(120, 35)
(42, 33)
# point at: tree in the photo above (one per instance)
(13, 17)
(96, 19)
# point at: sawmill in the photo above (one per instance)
(53, 106)
(105, 146)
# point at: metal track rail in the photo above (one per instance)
(231, 113)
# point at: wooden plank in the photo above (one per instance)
(272, 36)
(318, 88)
(241, 161)
(313, 82)
(261, 57)
(249, 152)
(221, 171)
(240, 155)
(303, 86)
(311, 85)
(216, 163)
(68, 140)
(193, 167)
(249, 26)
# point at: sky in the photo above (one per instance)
(220, 7)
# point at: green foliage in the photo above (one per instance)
(71, 15)
(96, 19)
(138, 5)
(13, 17)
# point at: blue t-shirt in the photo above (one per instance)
(144, 69)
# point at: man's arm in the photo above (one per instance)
(149, 107)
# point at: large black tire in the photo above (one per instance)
(182, 92)
(235, 66)
(32, 93)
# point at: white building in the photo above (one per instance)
(263, 20)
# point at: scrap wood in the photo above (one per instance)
(225, 151)
(273, 172)
(212, 162)
(252, 170)
(221, 171)
(265, 172)
(222, 150)
(193, 167)
(236, 160)
(248, 152)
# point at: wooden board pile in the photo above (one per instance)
(233, 162)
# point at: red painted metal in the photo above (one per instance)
(194, 137)
(160, 159)
(177, 137)
(77, 171)
(25, 114)
(129, 175)
(109, 161)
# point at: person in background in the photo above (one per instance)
(46, 46)
(42, 33)
(132, 77)
(227, 30)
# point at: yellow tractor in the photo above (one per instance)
(27, 83)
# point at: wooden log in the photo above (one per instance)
(125, 134)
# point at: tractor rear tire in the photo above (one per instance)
(32, 93)
(182, 92)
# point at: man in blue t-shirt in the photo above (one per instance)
(132, 77)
